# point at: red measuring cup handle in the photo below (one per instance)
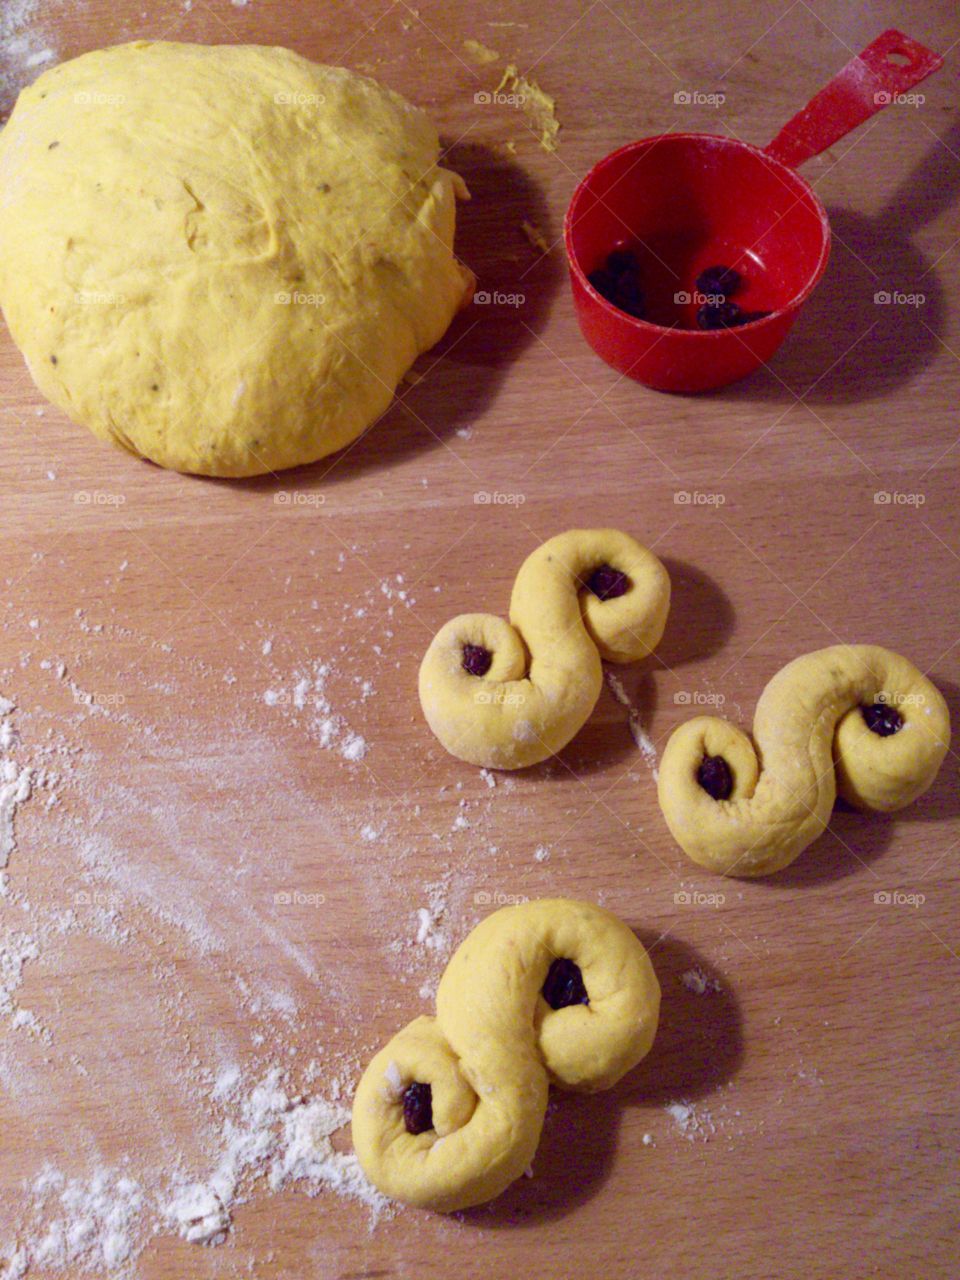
(888, 67)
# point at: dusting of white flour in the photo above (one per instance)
(24, 46)
(282, 1136)
(640, 736)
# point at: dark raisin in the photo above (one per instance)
(618, 280)
(53, 359)
(418, 1108)
(719, 315)
(882, 719)
(564, 985)
(628, 295)
(621, 260)
(726, 315)
(476, 659)
(607, 583)
(719, 279)
(52, 145)
(715, 777)
(604, 281)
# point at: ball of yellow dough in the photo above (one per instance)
(496, 1044)
(223, 258)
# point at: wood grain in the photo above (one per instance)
(827, 1063)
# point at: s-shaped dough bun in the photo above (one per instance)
(223, 257)
(507, 695)
(856, 719)
(450, 1112)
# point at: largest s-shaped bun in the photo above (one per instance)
(449, 1113)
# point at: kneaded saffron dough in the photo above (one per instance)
(495, 1046)
(223, 258)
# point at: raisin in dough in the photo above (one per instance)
(550, 991)
(223, 258)
(856, 719)
(505, 695)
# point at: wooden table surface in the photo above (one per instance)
(186, 795)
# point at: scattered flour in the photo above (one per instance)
(15, 783)
(430, 931)
(23, 47)
(640, 736)
(283, 1137)
(694, 1124)
(306, 692)
(84, 1224)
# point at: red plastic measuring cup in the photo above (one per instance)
(688, 201)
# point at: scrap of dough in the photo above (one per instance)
(481, 53)
(535, 236)
(536, 103)
(223, 258)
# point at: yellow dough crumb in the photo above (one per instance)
(536, 103)
(481, 53)
(535, 236)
